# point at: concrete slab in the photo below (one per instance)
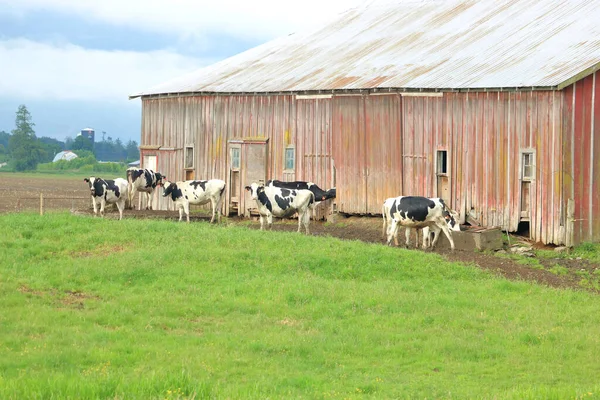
(474, 238)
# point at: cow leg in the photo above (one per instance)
(300, 221)
(213, 207)
(186, 208)
(220, 206)
(150, 198)
(306, 220)
(131, 196)
(444, 227)
(262, 222)
(407, 237)
(389, 231)
(95, 206)
(180, 208)
(147, 200)
(102, 202)
(426, 237)
(392, 231)
(417, 230)
(121, 206)
(270, 221)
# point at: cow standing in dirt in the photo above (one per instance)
(418, 212)
(108, 191)
(196, 192)
(282, 203)
(143, 181)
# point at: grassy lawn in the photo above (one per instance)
(144, 309)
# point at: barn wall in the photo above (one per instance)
(209, 122)
(582, 156)
(387, 146)
(373, 147)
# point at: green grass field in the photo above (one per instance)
(145, 309)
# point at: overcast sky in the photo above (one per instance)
(74, 62)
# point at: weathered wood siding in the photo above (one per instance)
(581, 154)
(376, 146)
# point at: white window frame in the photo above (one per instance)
(285, 159)
(522, 154)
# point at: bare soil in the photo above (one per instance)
(18, 194)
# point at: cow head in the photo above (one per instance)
(160, 178)
(452, 218)
(255, 189)
(91, 181)
(168, 187)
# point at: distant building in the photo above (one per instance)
(64, 155)
(88, 133)
(134, 164)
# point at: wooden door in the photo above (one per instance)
(234, 183)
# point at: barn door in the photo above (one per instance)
(414, 145)
(443, 181)
(150, 161)
(234, 180)
(247, 163)
(527, 168)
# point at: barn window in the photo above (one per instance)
(528, 166)
(235, 158)
(290, 158)
(189, 157)
(442, 162)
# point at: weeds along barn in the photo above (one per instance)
(492, 105)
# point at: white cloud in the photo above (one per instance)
(257, 19)
(66, 72)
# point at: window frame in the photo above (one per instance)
(185, 160)
(232, 158)
(285, 159)
(438, 153)
(532, 165)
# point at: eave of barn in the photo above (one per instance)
(384, 145)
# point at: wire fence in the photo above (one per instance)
(44, 202)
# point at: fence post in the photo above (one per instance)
(41, 203)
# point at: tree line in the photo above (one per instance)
(23, 150)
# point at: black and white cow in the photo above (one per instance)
(108, 191)
(418, 213)
(320, 194)
(427, 230)
(282, 203)
(196, 192)
(143, 181)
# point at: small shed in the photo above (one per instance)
(491, 105)
(67, 155)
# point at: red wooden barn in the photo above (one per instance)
(493, 105)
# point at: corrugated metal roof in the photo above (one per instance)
(429, 44)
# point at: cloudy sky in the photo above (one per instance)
(74, 62)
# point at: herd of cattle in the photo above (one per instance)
(275, 198)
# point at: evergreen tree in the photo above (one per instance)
(133, 153)
(4, 136)
(25, 150)
(82, 143)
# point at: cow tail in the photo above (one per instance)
(383, 230)
(221, 197)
